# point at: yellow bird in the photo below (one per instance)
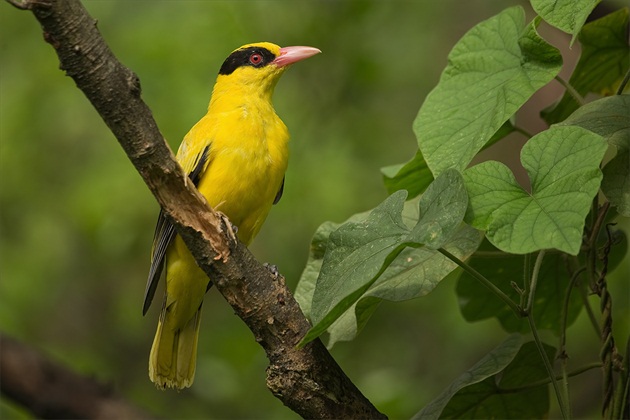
(236, 155)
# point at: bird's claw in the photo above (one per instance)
(232, 229)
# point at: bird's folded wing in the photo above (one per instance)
(164, 233)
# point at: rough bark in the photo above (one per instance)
(307, 380)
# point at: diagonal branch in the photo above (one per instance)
(307, 380)
(50, 390)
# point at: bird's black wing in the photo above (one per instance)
(279, 193)
(164, 233)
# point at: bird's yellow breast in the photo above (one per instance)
(248, 154)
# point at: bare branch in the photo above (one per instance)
(307, 380)
(50, 390)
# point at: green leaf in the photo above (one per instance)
(563, 167)
(414, 273)
(567, 15)
(616, 183)
(308, 280)
(619, 251)
(609, 117)
(415, 176)
(442, 210)
(359, 252)
(355, 255)
(306, 286)
(491, 364)
(477, 302)
(493, 70)
(496, 397)
(602, 65)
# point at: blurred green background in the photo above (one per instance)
(76, 220)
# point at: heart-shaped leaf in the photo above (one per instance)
(563, 167)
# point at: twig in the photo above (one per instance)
(505, 298)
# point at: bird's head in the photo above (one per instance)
(259, 66)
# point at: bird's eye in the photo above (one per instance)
(255, 59)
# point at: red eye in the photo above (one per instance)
(255, 59)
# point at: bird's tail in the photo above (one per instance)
(174, 352)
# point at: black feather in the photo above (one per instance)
(164, 232)
(195, 175)
(279, 193)
(240, 58)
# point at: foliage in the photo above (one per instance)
(561, 214)
(76, 222)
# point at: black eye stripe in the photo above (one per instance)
(241, 58)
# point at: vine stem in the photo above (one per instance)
(548, 367)
(518, 311)
(571, 91)
(564, 409)
(609, 354)
(584, 291)
(622, 393)
(562, 352)
(623, 83)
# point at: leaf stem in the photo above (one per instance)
(571, 91)
(623, 83)
(527, 262)
(545, 381)
(534, 282)
(522, 131)
(541, 349)
(518, 311)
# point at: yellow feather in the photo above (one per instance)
(247, 158)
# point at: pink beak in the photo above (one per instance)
(290, 55)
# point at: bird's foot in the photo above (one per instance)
(232, 229)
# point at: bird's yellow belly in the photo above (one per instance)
(243, 187)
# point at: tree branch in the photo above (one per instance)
(307, 380)
(50, 390)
